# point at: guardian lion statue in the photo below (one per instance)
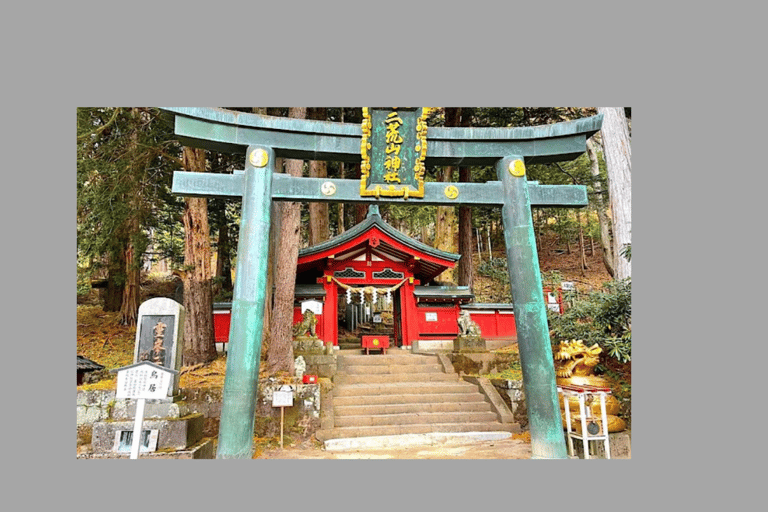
(468, 327)
(308, 323)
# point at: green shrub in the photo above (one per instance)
(603, 317)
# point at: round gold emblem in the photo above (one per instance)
(258, 157)
(517, 168)
(328, 188)
(451, 192)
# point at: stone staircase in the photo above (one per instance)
(403, 393)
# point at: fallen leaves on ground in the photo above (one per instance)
(525, 436)
(102, 339)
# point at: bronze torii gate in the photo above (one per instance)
(264, 138)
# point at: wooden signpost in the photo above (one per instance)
(142, 381)
(282, 398)
(384, 135)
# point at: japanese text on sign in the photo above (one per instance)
(142, 382)
(393, 149)
(394, 140)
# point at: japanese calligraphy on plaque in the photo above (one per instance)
(156, 339)
(393, 149)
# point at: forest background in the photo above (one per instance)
(133, 234)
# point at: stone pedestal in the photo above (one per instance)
(174, 431)
(308, 345)
(469, 344)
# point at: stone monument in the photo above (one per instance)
(169, 429)
(160, 336)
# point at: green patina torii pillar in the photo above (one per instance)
(264, 138)
(530, 313)
(242, 373)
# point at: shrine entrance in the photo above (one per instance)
(394, 146)
(369, 279)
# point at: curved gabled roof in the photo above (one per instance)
(395, 244)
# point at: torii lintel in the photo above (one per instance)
(231, 132)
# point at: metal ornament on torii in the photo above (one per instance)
(264, 138)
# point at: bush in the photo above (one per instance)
(603, 317)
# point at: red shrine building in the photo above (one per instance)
(374, 277)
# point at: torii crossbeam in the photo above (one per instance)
(263, 138)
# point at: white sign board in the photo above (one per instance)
(283, 397)
(143, 380)
(430, 317)
(314, 306)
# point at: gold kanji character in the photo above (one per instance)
(393, 148)
(392, 176)
(393, 135)
(392, 163)
(393, 118)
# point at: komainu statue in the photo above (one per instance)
(308, 323)
(467, 326)
(303, 342)
(574, 364)
(469, 338)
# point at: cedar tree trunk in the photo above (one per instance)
(618, 160)
(280, 354)
(199, 344)
(605, 228)
(318, 212)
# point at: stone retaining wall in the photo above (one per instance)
(301, 420)
(514, 396)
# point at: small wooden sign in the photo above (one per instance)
(143, 380)
(283, 397)
(313, 305)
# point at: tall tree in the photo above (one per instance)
(199, 344)
(125, 158)
(445, 219)
(280, 351)
(602, 217)
(129, 307)
(465, 269)
(618, 161)
(318, 212)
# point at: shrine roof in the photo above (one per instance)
(443, 292)
(431, 263)
(85, 364)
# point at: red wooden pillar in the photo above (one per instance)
(330, 312)
(409, 314)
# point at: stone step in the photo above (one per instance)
(423, 400)
(414, 419)
(415, 378)
(368, 369)
(421, 428)
(389, 358)
(397, 388)
(404, 408)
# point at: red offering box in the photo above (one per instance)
(309, 379)
(376, 342)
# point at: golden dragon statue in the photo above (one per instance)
(575, 364)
